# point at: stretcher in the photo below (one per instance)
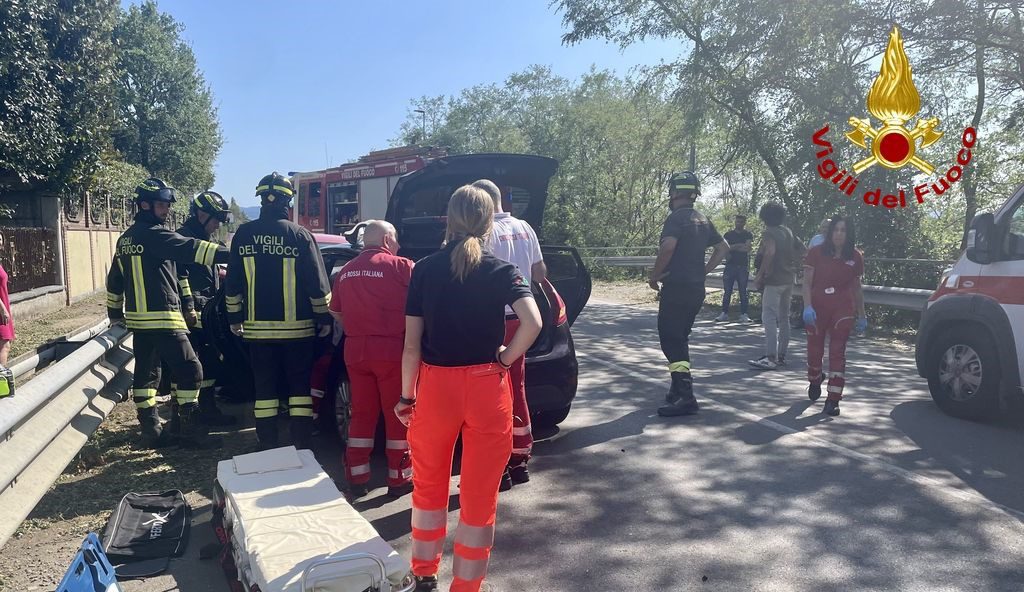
(288, 529)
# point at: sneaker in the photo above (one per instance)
(356, 491)
(744, 318)
(399, 490)
(519, 475)
(689, 408)
(763, 363)
(831, 408)
(722, 317)
(506, 482)
(426, 583)
(780, 362)
(814, 391)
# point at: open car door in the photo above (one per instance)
(570, 277)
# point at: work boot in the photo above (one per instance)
(192, 432)
(426, 584)
(519, 475)
(506, 481)
(301, 431)
(266, 432)
(831, 408)
(211, 415)
(153, 434)
(355, 491)
(814, 390)
(400, 490)
(684, 402)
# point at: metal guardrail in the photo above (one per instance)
(50, 418)
(899, 298)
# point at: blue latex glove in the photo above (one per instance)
(810, 317)
(861, 325)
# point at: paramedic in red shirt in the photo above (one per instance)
(833, 305)
(455, 382)
(368, 300)
(515, 241)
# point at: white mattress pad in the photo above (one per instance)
(285, 512)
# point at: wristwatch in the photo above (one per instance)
(405, 401)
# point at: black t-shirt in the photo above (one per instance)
(463, 322)
(739, 259)
(694, 233)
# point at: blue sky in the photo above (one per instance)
(291, 78)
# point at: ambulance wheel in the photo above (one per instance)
(342, 409)
(964, 373)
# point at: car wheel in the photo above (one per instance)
(549, 419)
(964, 374)
(343, 409)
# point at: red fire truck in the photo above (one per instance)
(334, 200)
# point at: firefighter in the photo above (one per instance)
(276, 294)
(207, 212)
(515, 241)
(834, 304)
(681, 269)
(142, 292)
(455, 374)
(368, 300)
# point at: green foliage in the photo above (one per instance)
(166, 121)
(55, 64)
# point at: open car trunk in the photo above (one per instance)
(419, 203)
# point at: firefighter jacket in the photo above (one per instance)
(195, 280)
(276, 284)
(142, 284)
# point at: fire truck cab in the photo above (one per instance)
(970, 344)
(334, 200)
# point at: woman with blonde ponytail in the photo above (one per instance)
(455, 382)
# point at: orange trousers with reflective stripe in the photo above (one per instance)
(475, 401)
(376, 386)
(522, 431)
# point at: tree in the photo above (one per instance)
(55, 110)
(166, 121)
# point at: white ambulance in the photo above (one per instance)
(970, 345)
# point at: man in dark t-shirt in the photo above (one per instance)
(681, 269)
(737, 268)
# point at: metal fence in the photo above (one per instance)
(29, 255)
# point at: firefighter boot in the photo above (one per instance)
(192, 432)
(685, 403)
(301, 431)
(266, 432)
(153, 434)
(210, 414)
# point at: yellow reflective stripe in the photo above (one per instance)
(164, 315)
(111, 297)
(300, 412)
(205, 252)
(682, 366)
(303, 324)
(324, 300)
(288, 284)
(234, 307)
(266, 404)
(301, 400)
(186, 397)
(233, 299)
(269, 334)
(144, 397)
(155, 325)
(264, 413)
(120, 266)
(283, 190)
(250, 280)
(186, 289)
(233, 303)
(139, 282)
(206, 383)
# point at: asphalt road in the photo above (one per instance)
(757, 492)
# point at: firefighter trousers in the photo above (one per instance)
(281, 371)
(476, 402)
(834, 321)
(677, 309)
(174, 350)
(376, 386)
(209, 359)
(522, 431)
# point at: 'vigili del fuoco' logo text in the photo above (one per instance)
(893, 100)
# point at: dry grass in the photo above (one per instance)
(36, 330)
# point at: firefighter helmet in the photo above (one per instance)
(213, 204)
(275, 187)
(154, 189)
(684, 182)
